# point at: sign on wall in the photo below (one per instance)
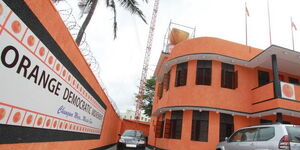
(287, 90)
(38, 90)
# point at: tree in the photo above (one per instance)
(90, 5)
(148, 96)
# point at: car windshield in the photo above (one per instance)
(132, 133)
(294, 133)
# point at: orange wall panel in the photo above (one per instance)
(214, 45)
(263, 93)
(135, 125)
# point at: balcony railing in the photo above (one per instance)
(263, 97)
(263, 93)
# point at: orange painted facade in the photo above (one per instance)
(135, 125)
(249, 103)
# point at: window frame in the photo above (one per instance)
(203, 72)
(198, 120)
(166, 81)
(160, 90)
(226, 120)
(260, 74)
(176, 124)
(229, 77)
(294, 81)
(160, 126)
(181, 74)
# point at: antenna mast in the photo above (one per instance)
(146, 62)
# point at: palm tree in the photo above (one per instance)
(89, 6)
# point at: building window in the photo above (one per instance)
(263, 78)
(293, 80)
(200, 126)
(167, 130)
(264, 121)
(176, 124)
(181, 74)
(203, 76)
(167, 81)
(229, 78)
(162, 125)
(160, 90)
(226, 126)
(281, 77)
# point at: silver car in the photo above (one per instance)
(264, 137)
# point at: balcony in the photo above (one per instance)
(263, 97)
(263, 93)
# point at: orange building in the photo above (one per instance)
(50, 98)
(207, 88)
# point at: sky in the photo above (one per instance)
(121, 60)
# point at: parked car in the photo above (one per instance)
(132, 139)
(264, 137)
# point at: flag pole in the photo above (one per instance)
(246, 25)
(292, 33)
(269, 24)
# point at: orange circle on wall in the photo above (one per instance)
(16, 26)
(287, 90)
(64, 73)
(57, 67)
(54, 124)
(69, 78)
(39, 122)
(29, 119)
(42, 51)
(70, 126)
(30, 40)
(66, 126)
(1, 10)
(48, 123)
(60, 125)
(17, 117)
(2, 113)
(50, 60)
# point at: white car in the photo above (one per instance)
(263, 137)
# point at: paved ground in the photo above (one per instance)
(115, 148)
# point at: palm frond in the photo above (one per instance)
(111, 4)
(132, 6)
(84, 6)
